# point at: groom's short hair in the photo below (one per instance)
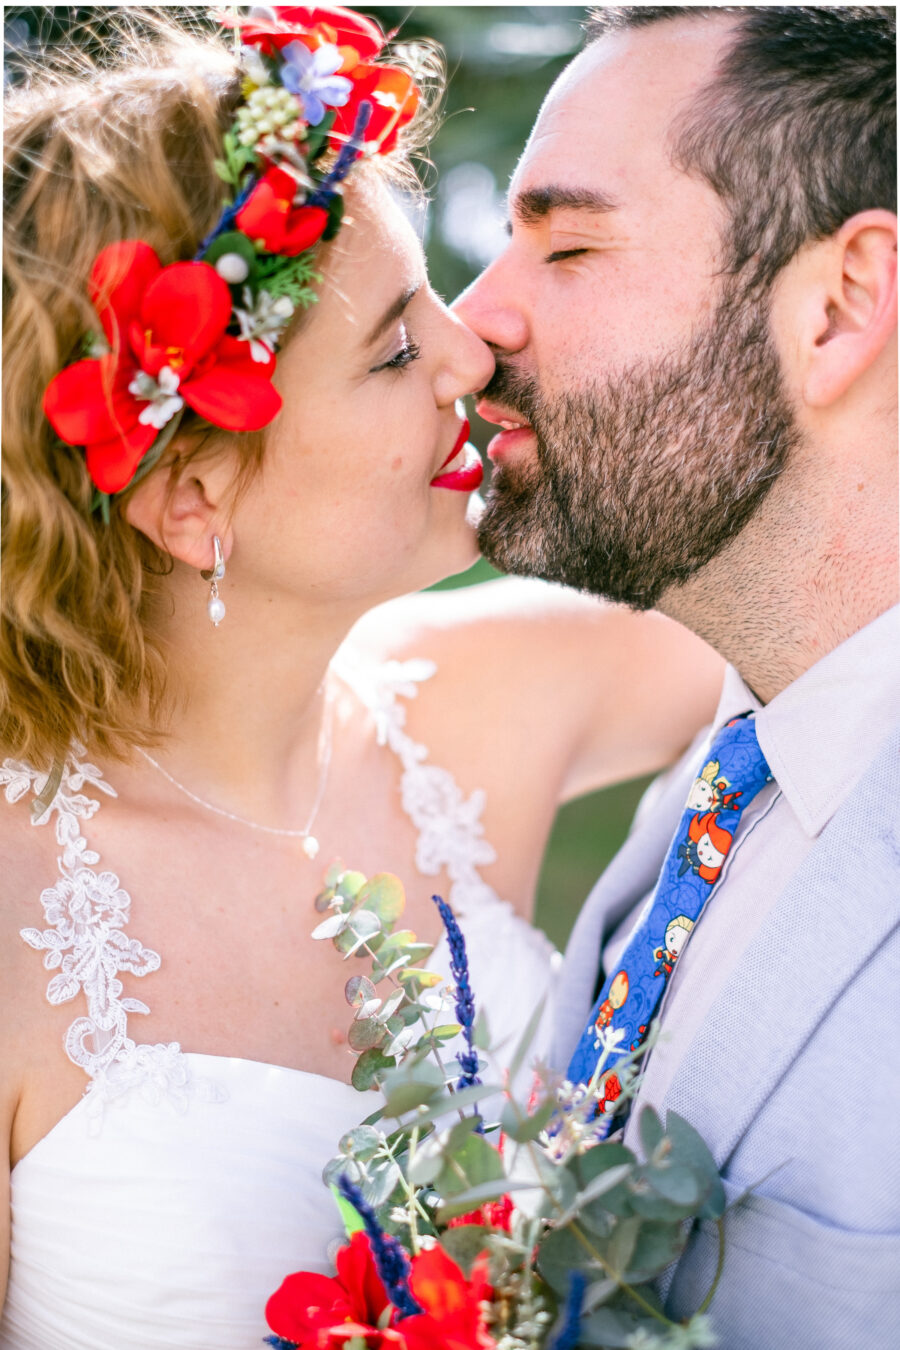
(797, 132)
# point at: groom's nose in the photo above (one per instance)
(490, 308)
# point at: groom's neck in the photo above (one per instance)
(815, 564)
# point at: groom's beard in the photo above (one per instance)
(640, 480)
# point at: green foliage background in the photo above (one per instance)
(501, 60)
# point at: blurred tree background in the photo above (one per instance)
(501, 60)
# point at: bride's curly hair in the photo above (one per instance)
(96, 150)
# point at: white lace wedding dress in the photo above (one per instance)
(172, 1200)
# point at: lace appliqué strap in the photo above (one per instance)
(86, 914)
(451, 833)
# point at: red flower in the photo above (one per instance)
(271, 220)
(166, 329)
(453, 1318)
(495, 1214)
(394, 98)
(356, 38)
(318, 1313)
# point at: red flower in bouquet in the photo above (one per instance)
(495, 1214)
(357, 39)
(394, 98)
(271, 220)
(453, 1318)
(315, 1312)
(166, 330)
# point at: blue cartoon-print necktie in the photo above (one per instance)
(733, 774)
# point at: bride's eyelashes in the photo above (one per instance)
(408, 352)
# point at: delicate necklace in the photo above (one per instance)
(310, 844)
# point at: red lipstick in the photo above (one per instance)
(465, 470)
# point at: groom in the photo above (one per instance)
(695, 324)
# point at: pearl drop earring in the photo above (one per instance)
(215, 607)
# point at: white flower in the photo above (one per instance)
(162, 400)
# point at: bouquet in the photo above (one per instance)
(474, 1220)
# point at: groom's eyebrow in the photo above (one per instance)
(392, 313)
(535, 204)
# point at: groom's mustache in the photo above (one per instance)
(513, 390)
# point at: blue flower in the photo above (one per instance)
(465, 1002)
(391, 1260)
(311, 76)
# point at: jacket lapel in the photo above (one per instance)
(789, 978)
(631, 874)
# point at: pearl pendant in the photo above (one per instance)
(216, 610)
(310, 846)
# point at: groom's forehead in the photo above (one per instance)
(608, 119)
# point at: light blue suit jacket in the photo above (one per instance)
(796, 1067)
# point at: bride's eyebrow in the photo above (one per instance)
(392, 313)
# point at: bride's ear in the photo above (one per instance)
(181, 505)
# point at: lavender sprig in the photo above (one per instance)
(349, 154)
(391, 1260)
(465, 1002)
(566, 1338)
(279, 1343)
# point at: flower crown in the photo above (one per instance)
(203, 333)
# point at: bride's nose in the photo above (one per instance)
(468, 364)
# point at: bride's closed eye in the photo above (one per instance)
(408, 351)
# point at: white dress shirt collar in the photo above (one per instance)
(821, 732)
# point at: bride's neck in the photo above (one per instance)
(248, 699)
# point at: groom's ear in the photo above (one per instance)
(845, 307)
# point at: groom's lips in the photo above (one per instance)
(516, 433)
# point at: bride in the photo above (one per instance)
(174, 1071)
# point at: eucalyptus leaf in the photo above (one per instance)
(689, 1147)
(613, 1328)
(473, 1162)
(331, 927)
(521, 1127)
(410, 1086)
(365, 1034)
(559, 1254)
(384, 895)
(381, 1182)
(358, 990)
(323, 901)
(380, 971)
(679, 1184)
(657, 1246)
(456, 1101)
(391, 1004)
(464, 1245)
(600, 1186)
(350, 885)
(402, 1040)
(369, 1068)
(597, 1293)
(621, 1244)
(362, 1141)
(426, 979)
(651, 1130)
(426, 1163)
(599, 1159)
